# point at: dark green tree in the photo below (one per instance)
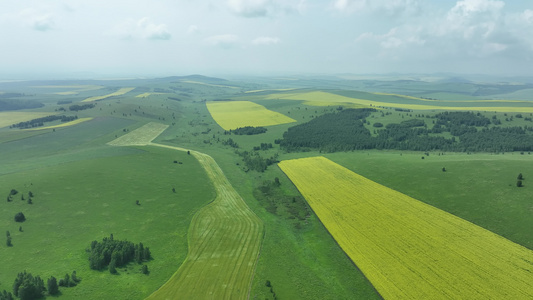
(144, 269)
(19, 217)
(519, 183)
(5, 295)
(112, 267)
(52, 286)
(8, 242)
(13, 192)
(520, 177)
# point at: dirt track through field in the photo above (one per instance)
(224, 236)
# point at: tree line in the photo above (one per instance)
(40, 121)
(346, 131)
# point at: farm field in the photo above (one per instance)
(120, 92)
(406, 248)
(229, 191)
(235, 114)
(320, 98)
(224, 242)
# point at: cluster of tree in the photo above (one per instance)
(174, 98)
(345, 131)
(77, 107)
(115, 253)
(28, 287)
(15, 104)
(5, 295)
(263, 146)
(274, 200)
(14, 192)
(230, 142)
(247, 130)
(254, 161)
(40, 121)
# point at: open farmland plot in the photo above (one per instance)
(140, 136)
(120, 92)
(319, 98)
(235, 114)
(408, 249)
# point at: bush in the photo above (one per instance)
(19, 217)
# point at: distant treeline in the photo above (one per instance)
(12, 104)
(77, 107)
(345, 131)
(40, 121)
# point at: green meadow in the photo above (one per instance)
(85, 189)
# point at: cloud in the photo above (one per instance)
(141, 29)
(380, 7)
(36, 19)
(193, 29)
(223, 40)
(43, 23)
(152, 31)
(264, 8)
(265, 41)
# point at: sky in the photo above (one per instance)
(138, 38)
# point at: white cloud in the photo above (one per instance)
(264, 8)
(152, 31)
(386, 7)
(36, 19)
(265, 40)
(223, 40)
(141, 29)
(193, 29)
(43, 23)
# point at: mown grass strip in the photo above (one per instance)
(224, 243)
(408, 249)
(224, 236)
(234, 114)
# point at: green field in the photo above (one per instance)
(223, 214)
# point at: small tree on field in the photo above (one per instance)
(144, 269)
(8, 242)
(520, 177)
(19, 217)
(519, 183)
(52, 286)
(443, 169)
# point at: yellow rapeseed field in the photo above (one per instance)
(406, 248)
(235, 114)
(312, 98)
(120, 92)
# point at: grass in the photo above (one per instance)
(406, 248)
(78, 202)
(120, 92)
(145, 95)
(235, 114)
(224, 242)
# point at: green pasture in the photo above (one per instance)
(78, 202)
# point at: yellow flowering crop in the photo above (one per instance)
(235, 114)
(406, 248)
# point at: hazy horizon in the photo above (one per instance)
(69, 39)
